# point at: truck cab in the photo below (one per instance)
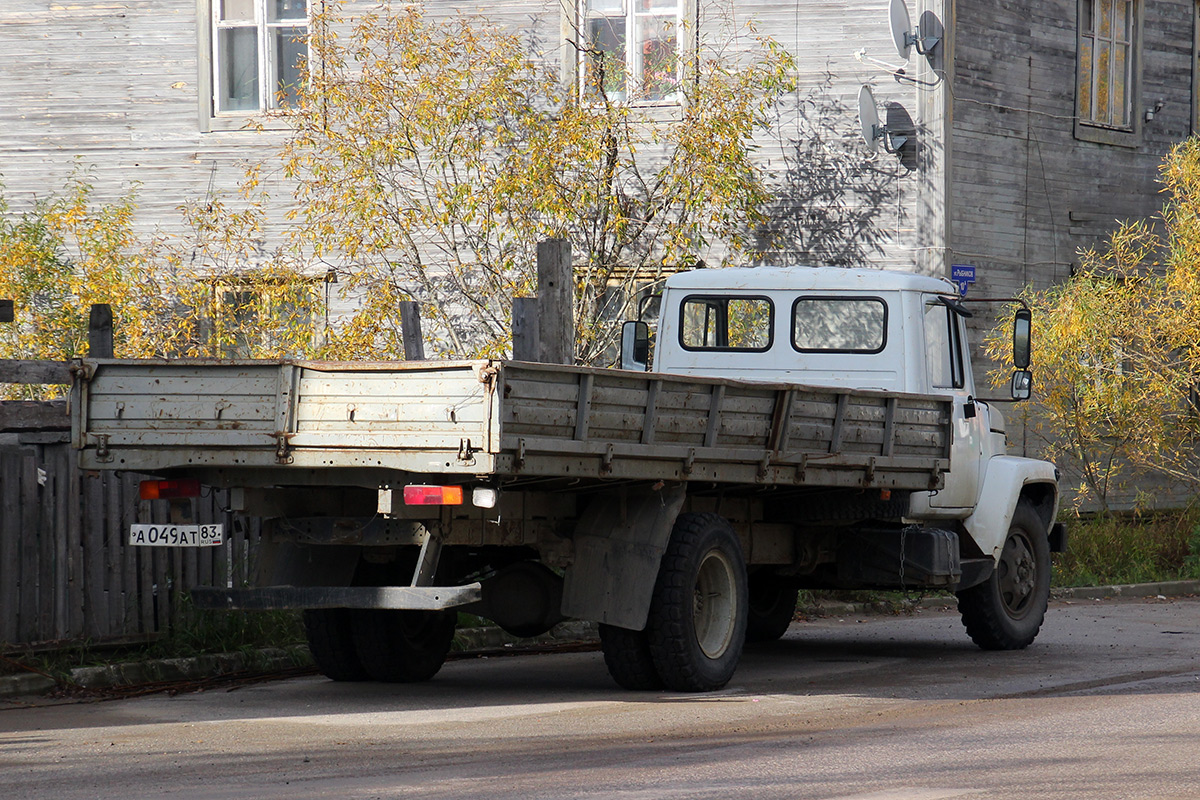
(863, 329)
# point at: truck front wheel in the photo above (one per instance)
(697, 622)
(402, 646)
(1006, 611)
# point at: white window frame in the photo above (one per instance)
(1098, 124)
(212, 116)
(684, 15)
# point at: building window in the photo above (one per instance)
(264, 314)
(630, 49)
(258, 48)
(1106, 90)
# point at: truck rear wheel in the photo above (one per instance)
(402, 646)
(1005, 612)
(771, 608)
(627, 656)
(697, 622)
(332, 645)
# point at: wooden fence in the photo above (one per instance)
(67, 572)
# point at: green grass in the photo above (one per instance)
(1130, 549)
(195, 632)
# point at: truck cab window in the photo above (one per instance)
(726, 323)
(839, 325)
(943, 347)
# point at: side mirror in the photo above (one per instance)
(635, 346)
(1022, 385)
(1022, 334)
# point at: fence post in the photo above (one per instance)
(410, 330)
(556, 302)
(6, 310)
(526, 339)
(100, 331)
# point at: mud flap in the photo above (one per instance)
(618, 546)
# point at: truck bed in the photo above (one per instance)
(500, 419)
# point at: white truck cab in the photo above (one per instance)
(868, 329)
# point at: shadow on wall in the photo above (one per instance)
(836, 203)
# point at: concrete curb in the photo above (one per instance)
(477, 640)
(134, 673)
(1165, 589)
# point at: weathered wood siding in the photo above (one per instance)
(1026, 194)
(875, 222)
(113, 87)
(66, 572)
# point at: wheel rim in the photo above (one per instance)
(1017, 575)
(714, 610)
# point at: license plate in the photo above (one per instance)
(177, 535)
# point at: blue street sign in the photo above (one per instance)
(963, 275)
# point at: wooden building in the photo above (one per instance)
(1032, 127)
(1036, 124)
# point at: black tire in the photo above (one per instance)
(697, 622)
(1005, 612)
(771, 607)
(402, 646)
(627, 656)
(332, 645)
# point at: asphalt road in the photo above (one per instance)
(1106, 704)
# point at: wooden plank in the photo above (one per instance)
(583, 406)
(650, 418)
(526, 332)
(410, 330)
(74, 546)
(145, 576)
(129, 555)
(714, 415)
(781, 420)
(889, 427)
(95, 599)
(162, 604)
(113, 553)
(27, 604)
(556, 302)
(34, 372)
(100, 331)
(22, 415)
(45, 542)
(59, 461)
(10, 548)
(839, 422)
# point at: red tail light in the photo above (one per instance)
(169, 490)
(433, 495)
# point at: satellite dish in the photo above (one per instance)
(901, 27)
(872, 132)
(904, 36)
(868, 118)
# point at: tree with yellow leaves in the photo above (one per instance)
(1116, 352)
(430, 157)
(199, 295)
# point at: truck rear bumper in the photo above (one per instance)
(412, 598)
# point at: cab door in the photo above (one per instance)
(948, 372)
